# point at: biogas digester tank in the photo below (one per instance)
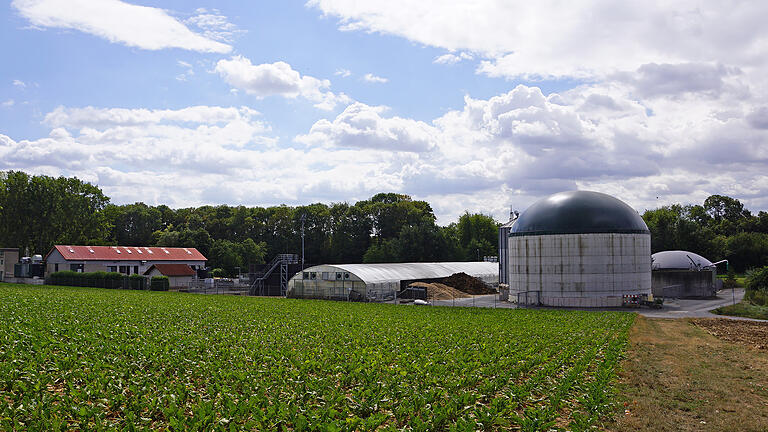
(581, 249)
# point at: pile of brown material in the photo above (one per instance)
(752, 333)
(468, 284)
(438, 291)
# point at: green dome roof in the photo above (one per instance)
(579, 212)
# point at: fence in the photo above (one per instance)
(356, 291)
(219, 286)
(529, 298)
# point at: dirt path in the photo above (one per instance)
(679, 377)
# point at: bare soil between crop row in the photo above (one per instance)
(695, 375)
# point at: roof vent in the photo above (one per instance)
(187, 251)
(139, 251)
(90, 250)
(128, 250)
(117, 250)
(149, 250)
(71, 250)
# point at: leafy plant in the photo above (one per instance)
(159, 283)
(94, 359)
(757, 279)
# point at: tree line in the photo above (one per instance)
(720, 228)
(39, 211)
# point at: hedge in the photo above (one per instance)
(109, 280)
(159, 283)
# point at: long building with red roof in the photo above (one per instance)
(122, 259)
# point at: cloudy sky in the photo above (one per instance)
(474, 106)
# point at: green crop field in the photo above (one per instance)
(95, 359)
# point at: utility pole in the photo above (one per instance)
(303, 219)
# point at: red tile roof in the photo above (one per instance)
(172, 269)
(127, 253)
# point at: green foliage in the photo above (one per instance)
(747, 250)
(475, 236)
(159, 283)
(758, 298)
(730, 281)
(218, 272)
(87, 359)
(227, 255)
(40, 211)
(96, 280)
(679, 228)
(750, 308)
(757, 279)
(720, 229)
(133, 224)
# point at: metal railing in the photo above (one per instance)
(282, 261)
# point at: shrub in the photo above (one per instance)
(159, 283)
(137, 282)
(97, 279)
(759, 298)
(217, 272)
(757, 279)
(757, 286)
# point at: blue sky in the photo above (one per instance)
(473, 106)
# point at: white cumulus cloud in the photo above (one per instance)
(369, 77)
(214, 25)
(362, 127)
(277, 78)
(549, 38)
(453, 58)
(343, 72)
(120, 22)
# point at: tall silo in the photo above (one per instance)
(504, 231)
(579, 248)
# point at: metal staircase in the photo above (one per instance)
(281, 260)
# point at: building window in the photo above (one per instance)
(338, 275)
(76, 268)
(346, 275)
(125, 269)
(312, 275)
(305, 275)
(135, 269)
(326, 276)
(55, 267)
(112, 269)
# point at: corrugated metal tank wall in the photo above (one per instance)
(504, 254)
(580, 270)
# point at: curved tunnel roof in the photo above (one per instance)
(579, 212)
(395, 272)
(678, 260)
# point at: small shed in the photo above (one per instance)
(179, 275)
